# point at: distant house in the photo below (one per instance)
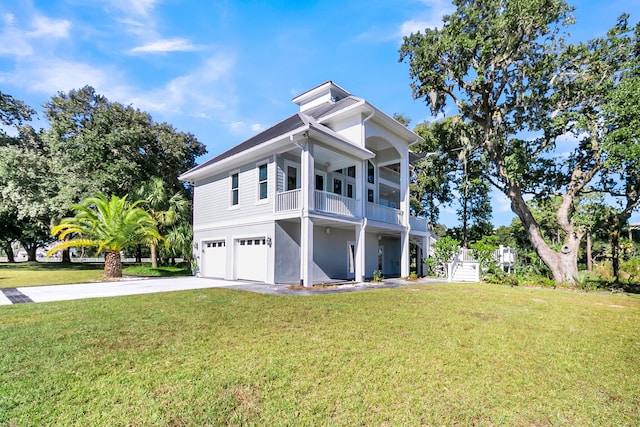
(322, 195)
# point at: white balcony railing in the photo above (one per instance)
(336, 204)
(384, 214)
(417, 223)
(288, 201)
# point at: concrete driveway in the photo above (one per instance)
(136, 286)
(107, 289)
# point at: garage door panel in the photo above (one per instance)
(215, 258)
(251, 259)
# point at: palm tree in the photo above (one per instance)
(167, 209)
(109, 225)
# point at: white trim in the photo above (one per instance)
(324, 180)
(295, 165)
(351, 258)
(234, 223)
(231, 205)
(260, 201)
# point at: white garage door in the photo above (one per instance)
(215, 259)
(251, 259)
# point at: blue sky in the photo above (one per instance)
(224, 70)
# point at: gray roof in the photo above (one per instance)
(328, 108)
(289, 124)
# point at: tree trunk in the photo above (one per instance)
(31, 250)
(112, 264)
(564, 263)
(589, 261)
(6, 247)
(138, 253)
(154, 256)
(615, 255)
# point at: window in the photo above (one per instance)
(370, 195)
(351, 171)
(371, 173)
(350, 191)
(234, 190)
(337, 186)
(319, 182)
(262, 182)
(292, 178)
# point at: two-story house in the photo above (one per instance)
(322, 195)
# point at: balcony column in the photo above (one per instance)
(360, 253)
(425, 254)
(404, 207)
(361, 198)
(307, 177)
(307, 173)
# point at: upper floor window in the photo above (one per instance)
(337, 186)
(292, 178)
(234, 189)
(263, 192)
(351, 171)
(371, 172)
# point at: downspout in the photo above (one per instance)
(373, 112)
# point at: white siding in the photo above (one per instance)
(212, 203)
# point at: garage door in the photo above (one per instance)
(215, 259)
(251, 259)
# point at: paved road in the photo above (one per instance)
(18, 295)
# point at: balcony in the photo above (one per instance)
(291, 201)
(384, 214)
(336, 204)
(418, 223)
(288, 201)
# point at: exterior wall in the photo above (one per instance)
(392, 255)
(212, 197)
(287, 252)
(330, 253)
(350, 128)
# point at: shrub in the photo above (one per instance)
(377, 276)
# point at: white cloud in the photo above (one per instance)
(429, 16)
(134, 7)
(46, 27)
(49, 76)
(8, 18)
(20, 42)
(257, 127)
(203, 90)
(166, 45)
(432, 18)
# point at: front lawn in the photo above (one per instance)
(20, 274)
(23, 274)
(442, 354)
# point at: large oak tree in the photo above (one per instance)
(506, 68)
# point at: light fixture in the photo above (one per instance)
(379, 237)
(269, 241)
(195, 245)
(328, 230)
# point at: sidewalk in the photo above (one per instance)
(124, 287)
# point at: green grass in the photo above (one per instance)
(162, 271)
(43, 273)
(418, 355)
